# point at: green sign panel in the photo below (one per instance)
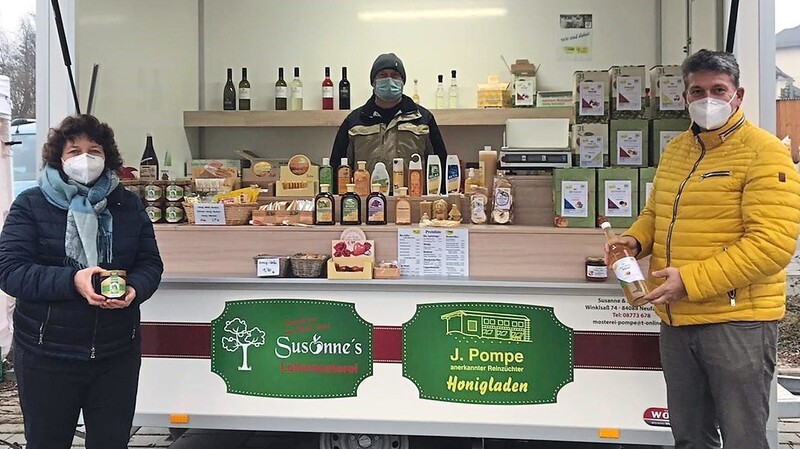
(487, 353)
(291, 348)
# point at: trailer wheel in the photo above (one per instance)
(362, 441)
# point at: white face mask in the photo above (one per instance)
(710, 113)
(84, 168)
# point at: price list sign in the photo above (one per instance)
(433, 252)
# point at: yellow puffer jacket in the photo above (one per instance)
(724, 210)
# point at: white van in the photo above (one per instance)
(25, 159)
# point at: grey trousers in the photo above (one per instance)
(719, 375)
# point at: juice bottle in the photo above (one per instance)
(626, 268)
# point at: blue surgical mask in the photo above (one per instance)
(388, 89)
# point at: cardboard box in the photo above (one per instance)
(666, 93)
(494, 94)
(662, 131)
(628, 92)
(590, 96)
(618, 196)
(629, 143)
(574, 197)
(589, 144)
(646, 176)
(298, 178)
(524, 84)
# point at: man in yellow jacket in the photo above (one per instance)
(720, 226)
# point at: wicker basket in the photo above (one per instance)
(235, 214)
(308, 265)
(283, 264)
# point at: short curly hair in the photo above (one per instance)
(74, 127)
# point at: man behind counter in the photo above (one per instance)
(389, 125)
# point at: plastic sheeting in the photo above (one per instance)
(5, 97)
(6, 302)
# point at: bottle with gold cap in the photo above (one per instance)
(376, 206)
(351, 207)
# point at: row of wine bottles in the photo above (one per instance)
(290, 96)
(287, 96)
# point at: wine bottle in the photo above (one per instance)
(344, 91)
(327, 91)
(229, 94)
(626, 268)
(453, 92)
(297, 91)
(280, 92)
(439, 92)
(148, 166)
(244, 91)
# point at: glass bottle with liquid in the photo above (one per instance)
(453, 92)
(297, 91)
(361, 179)
(148, 165)
(244, 91)
(229, 93)
(281, 94)
(327, 91)
(324, 207)
(344, 91)
(416, 92)
(376, 206)
(440, 92)
(351, 207)
(344, 176)
(626, 268)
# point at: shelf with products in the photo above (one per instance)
(319, 118)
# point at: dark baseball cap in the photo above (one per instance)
(387, 61)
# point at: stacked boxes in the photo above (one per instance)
(574, 197)
(646, 176)
(590, 96)
(589, 144)
(628, 93)
(618, 195)
(661, 132)
(666, 93)
(629, 143)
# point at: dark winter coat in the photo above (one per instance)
(50, 317)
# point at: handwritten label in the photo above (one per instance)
(209, 214)
(268, 267)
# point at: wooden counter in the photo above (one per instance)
(532, 253)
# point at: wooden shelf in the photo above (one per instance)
(444, 117)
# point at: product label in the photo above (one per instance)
(154, 213)
(629, 93)
(327, 91)
(174, 192)
(671, 98)
(281, 92)
(478, 209)
(618, 198)
(664, 138)
(350, 210)
(524, 92)
(112, 287)
(591, 151)
(402, 212)
(453, 184)
(575, 199)
(627, 270)
(152, 192)
(324, 210)
(174, 214)
(629, 148)
(148, 173)
(326, 177)
(376, 209)
(244, 93)
(415, 183)
(596, 272)
(297, 92)
(592, 98)
(502, 198)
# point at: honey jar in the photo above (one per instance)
(110, 283)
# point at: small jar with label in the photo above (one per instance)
(173, 213)
(596, 269)
(155, 211)
(174, 191)
(153, 191)
(111, 284)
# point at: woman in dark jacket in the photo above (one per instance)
(75, 350)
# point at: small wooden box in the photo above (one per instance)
(364, 262)
(277, 217)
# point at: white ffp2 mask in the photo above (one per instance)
(710, 113)
(84, 168)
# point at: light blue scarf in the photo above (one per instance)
(89, 224)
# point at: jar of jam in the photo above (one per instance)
(110, 283)
(596, 269)
(173, 213)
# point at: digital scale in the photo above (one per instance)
(535, 143)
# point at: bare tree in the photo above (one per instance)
(18, 62)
